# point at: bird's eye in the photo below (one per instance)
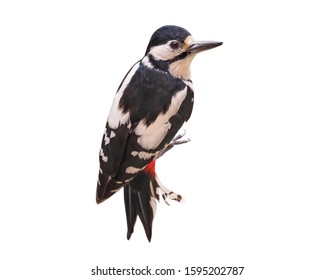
(174, 45)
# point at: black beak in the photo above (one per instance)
(199, 46)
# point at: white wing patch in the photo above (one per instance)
(134, 153)
(151, 136)
(103, 157)
(108, 138)
(116, 117)
(143, 155)
(132, 170)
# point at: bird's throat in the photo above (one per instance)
(181, 68)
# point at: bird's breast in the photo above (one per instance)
(151, 135)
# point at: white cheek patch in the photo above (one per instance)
(116, 116)
(162, 52)
(151, 136)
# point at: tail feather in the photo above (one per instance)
(129, 202)
(140, 196)
(140, 201)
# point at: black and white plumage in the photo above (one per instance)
(151, 104)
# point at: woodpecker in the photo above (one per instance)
(151, 104)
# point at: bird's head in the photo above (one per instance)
(172, 49)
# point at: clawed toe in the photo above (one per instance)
(177, 140)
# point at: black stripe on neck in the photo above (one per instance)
(159, 64)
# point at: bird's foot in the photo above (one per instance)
(167, 194)
(177, 140)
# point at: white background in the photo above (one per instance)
(258, 175)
